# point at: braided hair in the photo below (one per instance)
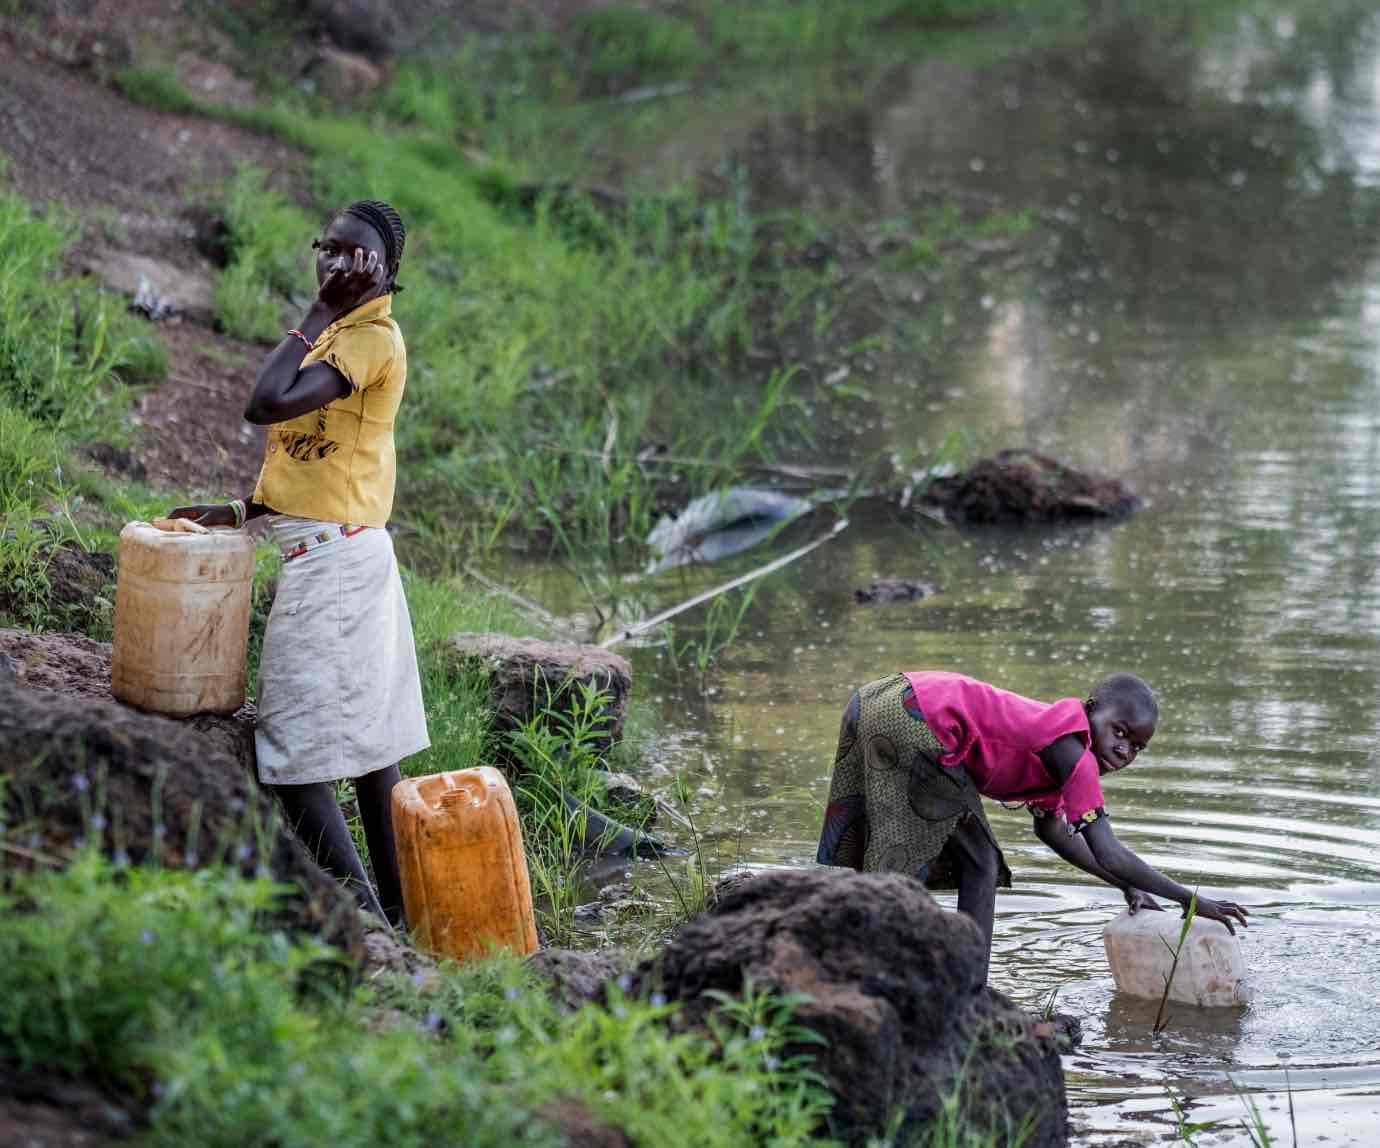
(388, 223)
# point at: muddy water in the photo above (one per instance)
(1196, 307)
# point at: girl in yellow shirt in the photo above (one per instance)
(339, 693)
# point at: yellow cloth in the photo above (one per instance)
(337, 464)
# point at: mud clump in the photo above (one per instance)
(48, 1110)
(894, 985)
(81, 768)
(529, 677)
(77, 590)
(1022, 487)
(884, 590)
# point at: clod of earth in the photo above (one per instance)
(894, 986)
(893, 590)
(81, 584)
(529, 677)
(1019, 487)
(81, 767)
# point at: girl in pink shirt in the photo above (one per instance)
(918, 752)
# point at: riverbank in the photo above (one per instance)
(558, 341)
(585, 307)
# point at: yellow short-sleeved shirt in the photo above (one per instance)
(337, 464)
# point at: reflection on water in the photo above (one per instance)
(1200, 311)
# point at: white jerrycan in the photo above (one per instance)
(1211, 972)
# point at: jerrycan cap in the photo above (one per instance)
(462, 788)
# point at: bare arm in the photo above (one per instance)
(284, 388)
(1098, 851)
(1126, 867)
(1054, 832)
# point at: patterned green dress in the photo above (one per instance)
(892, 806)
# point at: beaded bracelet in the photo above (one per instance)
(310, 345)
(239, 510)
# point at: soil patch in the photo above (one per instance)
(79, 144)
(192, 435)
(80, 767)
(1018, 487)
(46, 1110)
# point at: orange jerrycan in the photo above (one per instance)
(464, 874)
(182, 603)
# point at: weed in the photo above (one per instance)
(694, 894)
(1162, 1014)
(1185, 1129)
(156, 89)
(166, 983)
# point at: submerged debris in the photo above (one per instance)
(722, 523)
(1017, 487)
(882, 590)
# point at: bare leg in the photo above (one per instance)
(315, 816)
(977, 880)
(374, 793)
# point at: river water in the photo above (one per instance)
(1196, 308)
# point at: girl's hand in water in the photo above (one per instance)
(350, 280)
(1228, 912)
(1136, 901)
(219, 514)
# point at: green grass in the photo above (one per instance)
(69, 357)
(166, 985)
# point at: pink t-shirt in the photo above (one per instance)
(997, 735)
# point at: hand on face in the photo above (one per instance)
(352, 280)
(350, 264)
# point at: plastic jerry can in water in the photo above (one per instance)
(1211, 972)
(464, 874)
(182, 604)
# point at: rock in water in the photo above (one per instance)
(895, 989)
(1018, 487)
(883, 590)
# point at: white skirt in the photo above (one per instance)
(339, 693)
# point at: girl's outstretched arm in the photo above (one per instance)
(1054, 832)
(1126, 868)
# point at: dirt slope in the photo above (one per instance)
(135, 179)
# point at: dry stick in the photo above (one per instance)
(741, 580)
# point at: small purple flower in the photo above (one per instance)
(511, 993)
(80, 783)
(147, 937)
(243, 853)
(619, 1010)
(419, 977)
(757, 1032)
(160, 831)
(236, 804)
(120, 857)
(432, 1022)
(773, 1063)
(657, 999)
(193, 859)
(97, 821)
(624, 983)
